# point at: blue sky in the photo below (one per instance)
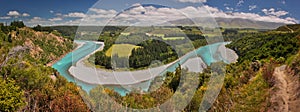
(70, 12)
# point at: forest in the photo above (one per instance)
(151, 48)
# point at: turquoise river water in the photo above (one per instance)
(66, 62)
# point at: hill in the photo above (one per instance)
(289, 28)
(261, 68)
(233, 23)
(27, 84)
(41, 47)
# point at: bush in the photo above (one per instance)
(11, 96)
(267, 73)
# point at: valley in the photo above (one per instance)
(256, 67)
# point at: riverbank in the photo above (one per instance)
(62, 66)
(231, 56)
(92, 75)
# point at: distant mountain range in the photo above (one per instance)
(222, 22)
(233, 23)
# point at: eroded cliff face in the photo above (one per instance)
(42, 46)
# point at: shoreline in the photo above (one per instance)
(91, 75)
(228, 54)
(99, 76)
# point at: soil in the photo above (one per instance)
(286, 91)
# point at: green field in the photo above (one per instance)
(167, 31)
(173, 38)
(123, 50)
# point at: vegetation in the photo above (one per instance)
(122, 50)
(151, 46)
(12, 97)
(247, 82)
(151, 50)
(17, 24)
(289, 28)
(27, 84)
(266, 45)
(70, 31)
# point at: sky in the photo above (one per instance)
(75, 12)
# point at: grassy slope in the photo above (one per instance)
(253, 94)
(245, 89)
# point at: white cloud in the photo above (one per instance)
(211, 9)
(36, 19)
(58, 14)
(229, 8)
(292, 19)
(16, 14)
(73, 22)
(273, 12)
(226, 4)
(13, 13)
(193, 1)
(154, 15)
(251, 7)
(150, 15)
(136, 4)
(55, 19)
(51, 11)
(25, 15)
(94, 16)
(75, 15)
(256, 17)
(102, 11)
(240, 3)
(5, 17)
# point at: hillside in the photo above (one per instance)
(260, 79)
(246, 23)
(41, 47)
(251, 84)
(233, 23)
(265, 76)
(26, 83)
(289, 28)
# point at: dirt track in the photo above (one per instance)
(285, 93)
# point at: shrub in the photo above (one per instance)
(268, 70)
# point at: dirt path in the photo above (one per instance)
(285, 93)
(289, 29)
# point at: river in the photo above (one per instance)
(89, 80)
